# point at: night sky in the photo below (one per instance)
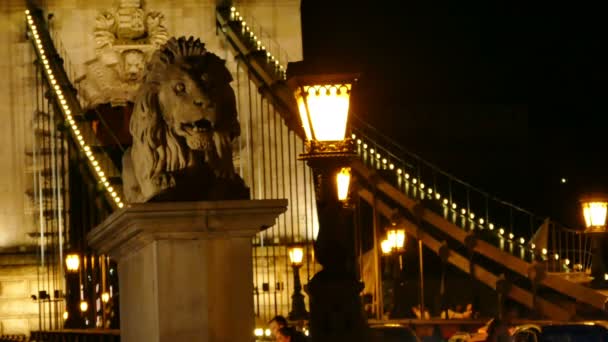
(506, 97)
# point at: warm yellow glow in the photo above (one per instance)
(386, 246)
(544, 251)
(397, 238)
(567, 262)
(324, 111)
(72, 262)
(65, 315)
(343, 182)
(594, 213)
(267, 332)
(305, 123)
(296, 255)
(84, 306)
(556, 256)
(258, 332)
(105, 297)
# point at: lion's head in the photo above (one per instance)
(184, 105)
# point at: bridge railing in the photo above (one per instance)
(503, 224)
(76, 335)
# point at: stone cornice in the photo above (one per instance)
(136, 225)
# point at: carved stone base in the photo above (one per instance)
(185, 268)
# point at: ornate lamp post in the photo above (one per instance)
(72, 314)
(393, 247)
(298, 308)
(594, 209)
(335, 308)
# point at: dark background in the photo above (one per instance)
(505, 96)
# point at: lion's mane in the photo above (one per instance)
(156, 149)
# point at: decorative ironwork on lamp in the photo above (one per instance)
(323, 104)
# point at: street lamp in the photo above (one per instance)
(72, 262)
(594, 212)
(394, 244)
(298, 308)
(594, 208)
(386, 246)
(72, 276)
(396, 236)
(335, 306)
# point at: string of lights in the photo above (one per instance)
(67, 111)
(249, 33)
(426, 192)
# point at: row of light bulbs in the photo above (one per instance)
(68, 113)
(260, 332)
(235, 15)
(446, 203)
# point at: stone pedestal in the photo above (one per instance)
(185, 268)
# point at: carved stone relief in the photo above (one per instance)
(125, 38)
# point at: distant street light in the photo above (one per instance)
(298, 308)
(72, 318)
(394, 245)
(72, 262)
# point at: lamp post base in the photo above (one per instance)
(298, 307)
(338, 314)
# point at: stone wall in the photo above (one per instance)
(72, 22)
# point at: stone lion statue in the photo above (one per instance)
(183, 123)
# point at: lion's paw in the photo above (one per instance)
(164, 181)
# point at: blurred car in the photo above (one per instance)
(596, 331)
(480, 335)
(392, 333)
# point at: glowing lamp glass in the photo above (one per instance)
(72, 262)
(324, 110)
(84, 306)
(296, 255)
(396, 238)
(386, 246)
(594, 212)
(105, 297)
(343, 183)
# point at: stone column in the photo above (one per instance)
(185, 268)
